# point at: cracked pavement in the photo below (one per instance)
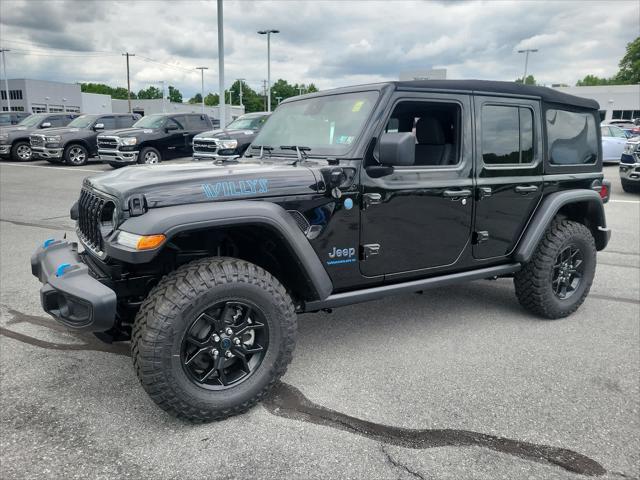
(462, 359)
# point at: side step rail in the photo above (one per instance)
(358, 296)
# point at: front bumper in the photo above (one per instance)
(197, 156)
(5, 150)
(42, 152)
(117, 156)
(630, 168)
(69, 293)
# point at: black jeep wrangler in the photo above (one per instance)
(345, 196)
(232, 141)
(152, 139)
(14, 140)
(77, 142)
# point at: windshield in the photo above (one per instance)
(32, 121)
(5, 119)
(328, 125)
(82, 121)
(152, 121)
(248, 122)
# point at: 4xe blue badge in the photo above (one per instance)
(348, 204)
(342, 255)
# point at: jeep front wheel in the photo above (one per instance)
(212, 338)
(557, 279)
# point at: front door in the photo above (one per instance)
(419, 217)
(509, 172)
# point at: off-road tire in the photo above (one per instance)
(630, 187)
(142, 157)
(17, 148)
(168, 311)
(533, 283)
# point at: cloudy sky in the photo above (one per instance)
(328, 43)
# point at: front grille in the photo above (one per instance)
(108, 142)
(204, 146)
(36, 140)
(90, 208)
(629, 158)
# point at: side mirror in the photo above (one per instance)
(397, 149)
(169, 128)
(46, 125)
(98, 126)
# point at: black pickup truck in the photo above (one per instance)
(344, 196)
(77, 142)
(230, 142)
(152, 139)
(14, 141)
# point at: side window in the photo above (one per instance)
(179, 120)
(436, 128)
(606, 131)
(571, 137)
(197, 122)
(108, 122)
(57, 120)
(507, 135)
(617, 132)
(125, 121)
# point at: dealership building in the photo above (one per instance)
(616, 101)
(40, 96)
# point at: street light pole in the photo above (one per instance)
(526, 52)
(268, 34)
(127, 54)
(278, 99)
(6, 77)
(202, 69)
(240, 80)
(221, 99)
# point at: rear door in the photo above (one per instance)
(509, 172)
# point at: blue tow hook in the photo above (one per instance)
(48, 242)
(63, 267)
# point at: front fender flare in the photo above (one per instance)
(550, 207)
(171, 221)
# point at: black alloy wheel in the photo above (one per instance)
(225, 344)
(567, 273)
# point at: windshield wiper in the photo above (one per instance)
(300, 151)
(262, 148)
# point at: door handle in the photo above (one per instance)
(524, 189)
(456, 194)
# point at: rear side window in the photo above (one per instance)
(58, 120)
(507, 135)
(125, 121)
(572, 137)
(197, 122)
(179, 120)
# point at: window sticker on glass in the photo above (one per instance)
(344, 140)
(357, 106)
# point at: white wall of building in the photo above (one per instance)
(432, 74)
(42, 96)
(616, 101)
(96, 103)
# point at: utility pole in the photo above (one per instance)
(202, 69)
(264, 93)
(127, 54)
(240, 80)
(164, 103)
(268, 34)
(221, 105)
(6, 77)
(526, 61)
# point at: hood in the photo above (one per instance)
(178, 184)
(15, 128)
(57, 131)
(226, 133)
(129, 132)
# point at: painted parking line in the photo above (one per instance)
(73, 169)
(624, 201)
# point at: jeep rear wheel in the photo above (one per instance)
(557, 279)
(212, 338)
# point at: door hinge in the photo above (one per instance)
(369, 199)
(479, 237)
(369, 250)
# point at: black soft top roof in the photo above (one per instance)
(546, 94)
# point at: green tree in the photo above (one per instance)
(592, 80)
(211, 99)
(530, 80)
(150, 93)
(174, 95)
(197, 98)
(629, 72)
(117, 92)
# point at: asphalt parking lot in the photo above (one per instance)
(457, 383)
